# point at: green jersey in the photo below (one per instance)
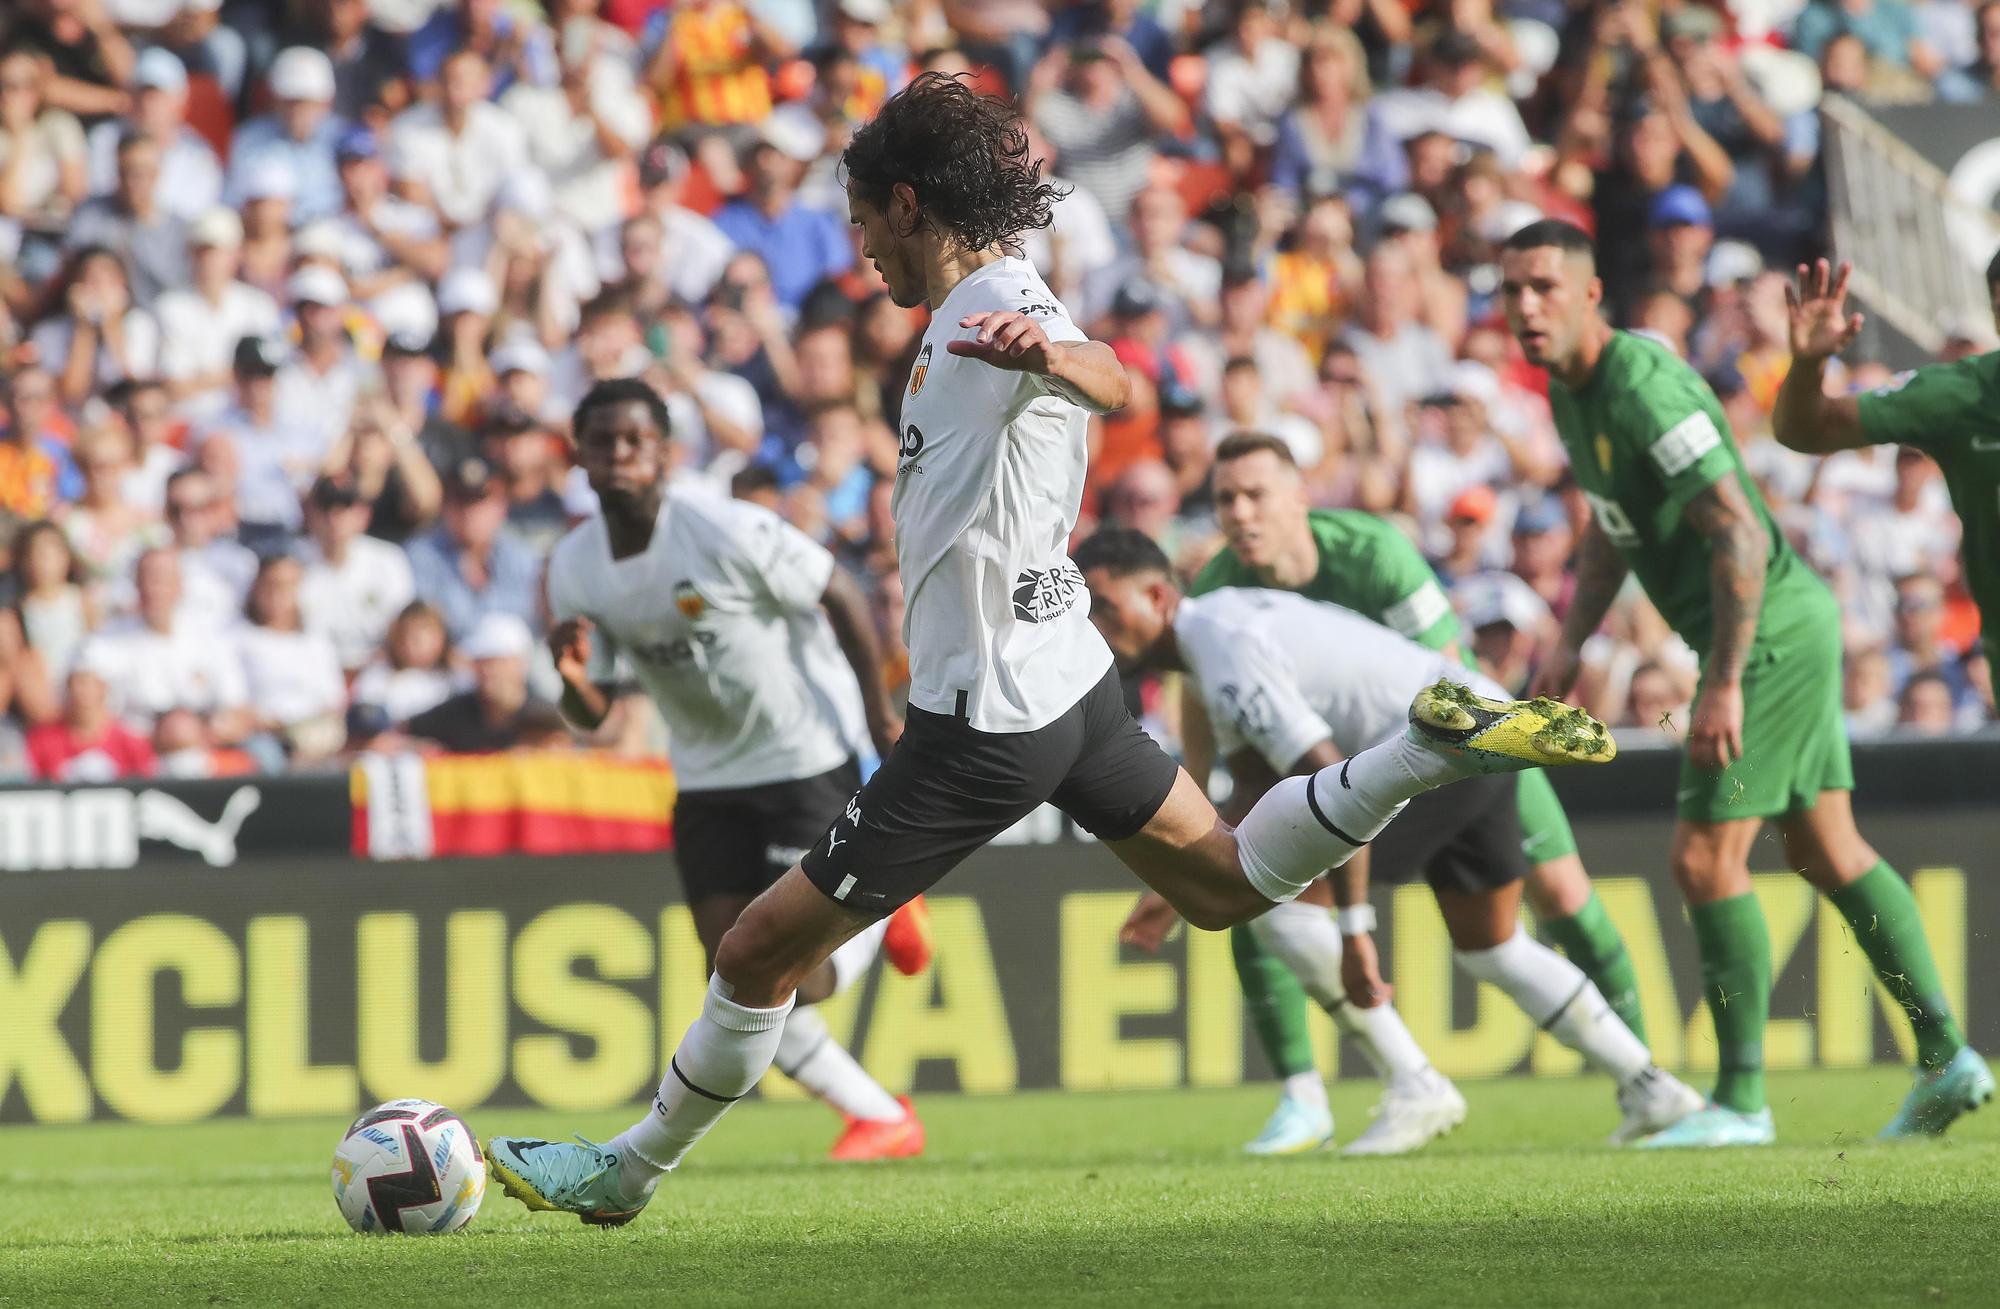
(1952, 413)
(1645, 436)
(1365, 564)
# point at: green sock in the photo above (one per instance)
(1591, 941)
(1736, 981)
(1879, 907)
(1277, 1004)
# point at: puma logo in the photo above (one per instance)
(162, 817)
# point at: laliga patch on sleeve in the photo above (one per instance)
(1417, 612)
(1684, 443)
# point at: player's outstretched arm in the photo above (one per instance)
(1805, 417)
(1600, 571)
(1738, 549)
(854, 628)
(1086, 370)
(584, 703)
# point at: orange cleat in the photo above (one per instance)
(908, 940)
(868, 1139)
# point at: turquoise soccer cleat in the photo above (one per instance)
(557, 1176)
(1940, 1097)
(1482, 735)
(1714, 1127)
(1293, 1128)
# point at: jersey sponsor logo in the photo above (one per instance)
(1617, 524)
(908, 449)
(102, 827)
(688, 600)
(1684, 443)
(1041, 594)
(1040, 308)
(1249, 710)
(666, 654)
(918, 373)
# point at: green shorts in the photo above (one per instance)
(1794, 734)
(1545, 833)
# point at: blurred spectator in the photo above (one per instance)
(1868, 693)
(1332, 141)
(106, 530)
(202, 321)
(1543, 543)
(354, 585)
(1468, 535)
(1511, 629)
(1188, 283)
(498, 713)
(292, 677)
(387, 460)
(710, 67)
(1926, 705)
(385, 240)
(367, 61)
(216, 570)
(1453, 100)
(1252, 77)
(513, 47)
(295, 139)
(36, 471)
(267, 457)
(317, 384)
(529, 461)
(94, 336)
(1658, 698)
(698, 247)
(88, 57)
(87, 744)
(1405, 359)
(1103, 112)
(583, 133)
(1920, 648)
(800, 246)
(41, 160)
(411, 673)
(185, 747)
(454, 154)
(163, 658)
(56, 613)
(470, 565)
(134, 220)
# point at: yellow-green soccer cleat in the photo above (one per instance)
(1483, 735)
(556, 1176)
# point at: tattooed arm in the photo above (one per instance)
(1738, 547)
(1600, 571)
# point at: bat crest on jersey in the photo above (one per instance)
(923, 367)
(688, 601)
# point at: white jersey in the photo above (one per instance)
(719, 618)
(988, 486)
(1279, 673)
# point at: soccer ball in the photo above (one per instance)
(408, 1166)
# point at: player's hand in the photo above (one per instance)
(885, 731)
(1007, 340)
(1715, 735)
(1557, 673)
(1149, 924)
(1817, 299)
(569, 645)
(1361, 972)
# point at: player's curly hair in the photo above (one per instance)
(964, 154)
(616, 391)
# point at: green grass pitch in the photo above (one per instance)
(1091, 1198)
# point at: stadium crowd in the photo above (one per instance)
(295, 298)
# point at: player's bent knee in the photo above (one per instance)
(752, 961)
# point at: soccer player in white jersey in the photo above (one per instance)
(759, 653)
(1013, 699)
(1289, 683)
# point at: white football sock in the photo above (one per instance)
(723, 1054)
(1289, 838)
(1562, 1001)
(1305, 940)
(808, 1054)
(1307, 1089)
(850, 962)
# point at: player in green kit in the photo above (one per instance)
(1951, 412)
(1672, 503)
(1361, 562)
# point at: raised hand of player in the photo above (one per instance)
(1149, 924)
(1557, 673)
(1361, 972)
(1715, 730)
(1817, 299)
(1007, 340)
(569, 645)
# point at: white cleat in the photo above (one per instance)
(1414, 1112)
(1652, 1102)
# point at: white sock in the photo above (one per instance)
(1307, 1089)
(1289, 838)
(1305, 940)
(850, 962)
(1560, 999)
(808, 1054)
(723, 1054)
(1384, 1040)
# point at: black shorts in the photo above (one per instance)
(741, 840)
(1465, 837)
(946, 790)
